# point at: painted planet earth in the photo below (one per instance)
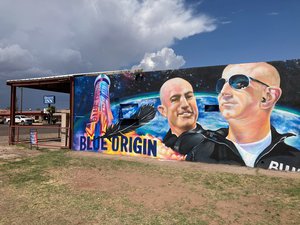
(283, 119)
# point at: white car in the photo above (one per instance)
(21, 119)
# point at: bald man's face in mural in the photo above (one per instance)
(248, 89)
(178, 105)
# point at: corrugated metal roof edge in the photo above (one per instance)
(68, 75)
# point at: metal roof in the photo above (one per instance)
(57, 83)
(39, 78)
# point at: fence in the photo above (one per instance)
(53, 136)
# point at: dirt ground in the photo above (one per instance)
(16, 153)
(159, 192)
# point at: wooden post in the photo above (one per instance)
(12, 115)
(71, 121)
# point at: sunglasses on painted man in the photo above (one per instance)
(237, 82)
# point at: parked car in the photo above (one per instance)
(21, 119)
(2, 120)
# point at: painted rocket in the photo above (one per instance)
(101, 115)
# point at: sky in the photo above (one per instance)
(41, 38)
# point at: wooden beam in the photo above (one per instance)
(71, 111)
(12, 115)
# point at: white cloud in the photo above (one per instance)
(161, 60)
(273, 14)
(15, 58)
(91, 35)
(73, 36)
(226, 22)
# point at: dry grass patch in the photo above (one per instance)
(58, 188)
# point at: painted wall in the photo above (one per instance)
(123, 114)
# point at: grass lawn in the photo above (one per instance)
(59, 187)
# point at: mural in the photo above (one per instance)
(240, 114)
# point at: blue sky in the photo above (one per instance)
(75, 36)
(251, 31)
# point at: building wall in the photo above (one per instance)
(108, 109)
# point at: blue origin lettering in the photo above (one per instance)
(136, 145)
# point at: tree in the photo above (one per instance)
(51, 111)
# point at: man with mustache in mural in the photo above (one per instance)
(178, 105)
(247, 96)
